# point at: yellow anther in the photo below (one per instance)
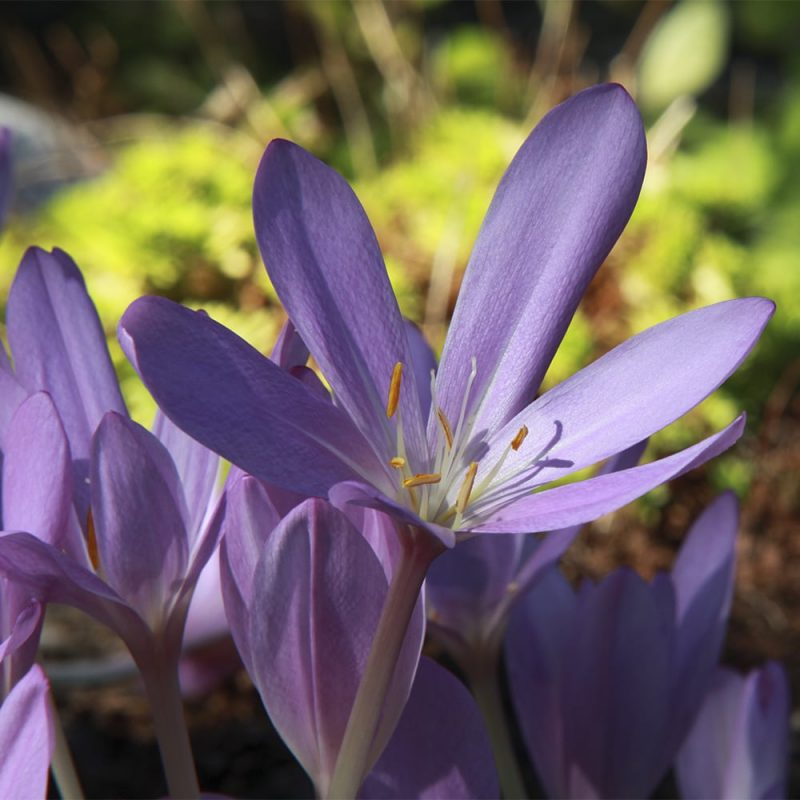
(91, 542)
(517, 441)
(421, 479)
(398, 462)
(466, 488)
(448, 431)
(512, 588)
(394, 389)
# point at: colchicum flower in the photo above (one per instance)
(607, 680)
(472, 464)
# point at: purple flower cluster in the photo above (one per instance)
(394, 499)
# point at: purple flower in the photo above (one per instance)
(739, 744)
(27, 738)
(607, 681)
(470, 462)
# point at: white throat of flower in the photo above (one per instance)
(449, 493)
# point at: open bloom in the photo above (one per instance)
(470, 463)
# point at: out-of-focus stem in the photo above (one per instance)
(352, 763)
(62, 765)
(163, 691)
(482, 673)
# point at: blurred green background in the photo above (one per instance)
(139, 126)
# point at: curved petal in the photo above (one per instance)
(423, 363)
(631, 392)
(290, 350)
(58, 344)
(324, 261)
(311, 629)
(37, 472)
(440, 747)
(55, 578)
(235, 401)
(27, 738)
(586, 500)
(18, 650)
(703, 577)
(556, 214)
(141, 534)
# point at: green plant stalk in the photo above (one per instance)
(62, 766)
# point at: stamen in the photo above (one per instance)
(91, 543)
(422, 479)
(466, 488)
(398, 462)
(517, 441)
(394, 389)
(448, 431)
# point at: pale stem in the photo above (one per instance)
(62, 765)
(483, 676)
(352, 762)
(164, 693)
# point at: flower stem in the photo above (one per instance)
(482, 673)
(163, 691)
(353, 760)
(62, 765)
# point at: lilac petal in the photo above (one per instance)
(27, 738)
(636, 389)
(141, 534)
(226, 395)
(37, 472)
(206, 621)
(617, 709)
(324, 261)
(467, 584)
(198, 469)
(53, 577)
(738, 746)
(535, 660)
(560, 207)
(368, 496)
(250, 518)
(703, 578)
(59, 346)
(440, 747)
(587, 500)
(423, 362)
(12, 393)
(290, 350)
(18, 650)
(311, 630)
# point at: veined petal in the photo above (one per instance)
(440, 747)
(631, 392)
(37, 472)
(229, 397)
(312, 627)
(58, 344)
(290, 350)
(197, 469)
(141, 534)
(556, 214)
(586, 500)
(53, 577)
(423, 362)
(27, 738)
(324, 261)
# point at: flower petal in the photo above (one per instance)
(37, 472)
(423, 363)
(141, 534)
(59, 346)
(556, 214)
(235, 401)
(586, 500)
(440, 747)
(312, 626)
(636, 389)
(27, 738)
(324, 261)
(290, 350)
